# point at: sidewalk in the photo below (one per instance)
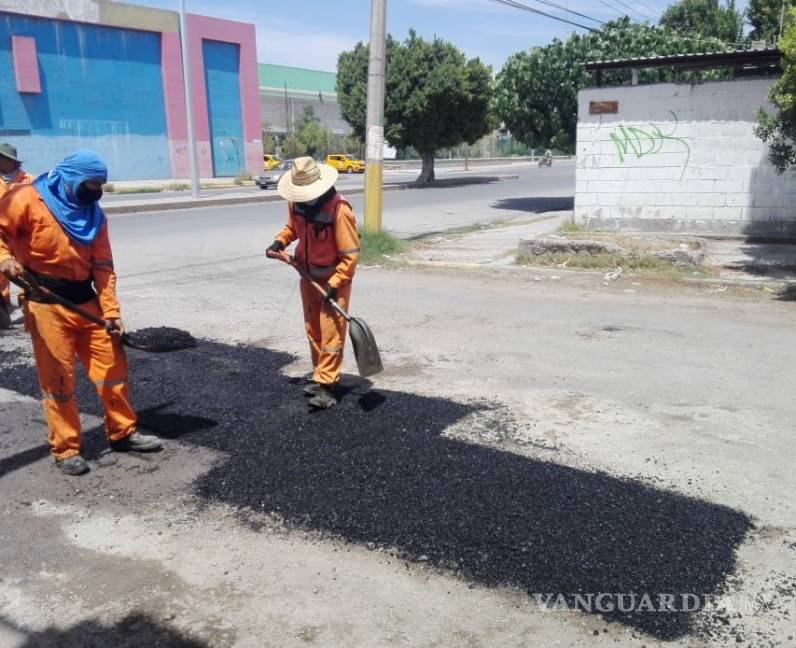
(731, 262)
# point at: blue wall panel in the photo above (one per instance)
(101, 88)
(222, 86)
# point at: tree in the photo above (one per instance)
(779, 129)
(313, 136)
(434, 97)
(765, 15)
(537, 90)
(707, 18)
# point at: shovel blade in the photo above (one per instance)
(365, 348)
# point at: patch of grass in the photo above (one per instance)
(242, 177)
(178, 186)
(108, 187)
(607, 261)
(139, 190)
(468, 229)
(571, 227)
(379, 248)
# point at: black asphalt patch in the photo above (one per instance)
(377, 471)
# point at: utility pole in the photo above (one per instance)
(374, 142)
(186, 79)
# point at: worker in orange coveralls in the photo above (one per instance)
(56, 231)
(11, 176)
(328, 249)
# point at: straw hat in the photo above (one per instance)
(6, 150)
(306, 181)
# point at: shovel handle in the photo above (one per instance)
(291, 261)
(28, 283)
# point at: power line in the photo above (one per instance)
(648, 8)
(627, 6)
(555, 5)
(613, 8)
(517, 5)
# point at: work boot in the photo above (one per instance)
(137, 442)
(73, 466)
(324, 399)
(311, 389)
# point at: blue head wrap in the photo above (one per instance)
(58, 189)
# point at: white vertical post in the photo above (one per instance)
(186, 78)
(374, 133)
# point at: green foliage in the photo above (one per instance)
(764, 16)
(708, 18)
(434, 96)
(779, 129)
(378, 247)
(243, 176)
(537, 90)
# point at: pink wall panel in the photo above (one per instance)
(203, 28)
(26, 65)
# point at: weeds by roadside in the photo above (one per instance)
(571, 227)
(633, 261)
(380, 248)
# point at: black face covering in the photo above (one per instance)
(311, 211)
(87, 196)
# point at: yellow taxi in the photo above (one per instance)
(270, 161)
(345, 163)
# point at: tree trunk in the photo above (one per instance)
(427, 174)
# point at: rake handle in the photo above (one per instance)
(291, 261)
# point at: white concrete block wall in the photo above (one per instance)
(681, 157)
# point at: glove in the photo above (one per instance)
(273, 250)
(331, 294)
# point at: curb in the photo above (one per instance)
(190, 203)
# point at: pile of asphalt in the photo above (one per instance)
(162, 336)
(377, 471)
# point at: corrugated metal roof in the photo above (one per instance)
(297, 79)
(768, 56)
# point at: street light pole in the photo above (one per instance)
(374, 142)
(186, 78)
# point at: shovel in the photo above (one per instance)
(366, 350)
(32, 287)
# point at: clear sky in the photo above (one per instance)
(311, 33)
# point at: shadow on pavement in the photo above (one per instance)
(789, 294)
(378, 470)
(536, 205)
(22, 459)
(134, 631)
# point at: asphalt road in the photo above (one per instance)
(206, 235)
(346, 181)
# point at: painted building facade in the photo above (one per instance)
(108, 76)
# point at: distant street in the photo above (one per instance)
(244, 230)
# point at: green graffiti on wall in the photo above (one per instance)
(646, 142)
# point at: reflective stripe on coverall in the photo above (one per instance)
(58, 335)
(328, 249)
(21, 178)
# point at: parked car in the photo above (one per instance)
(271, 179)
(270, 161)
(345, 163)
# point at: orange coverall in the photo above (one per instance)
(29, 229)
(21, 178)
(328, 249)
